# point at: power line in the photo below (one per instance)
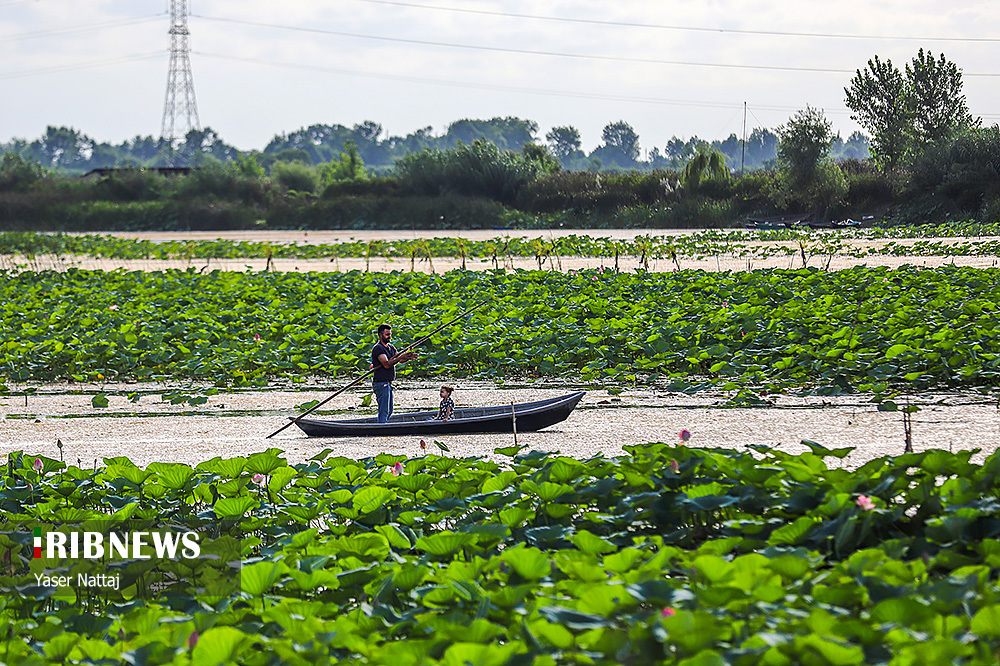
(499, 88)
(660, 26)
(519, 89)
(81, 65)
(582, 56)
(500, 49)
(82, 28)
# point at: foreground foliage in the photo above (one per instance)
(864, 328)
(666, 555)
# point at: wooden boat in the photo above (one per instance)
(529, 416)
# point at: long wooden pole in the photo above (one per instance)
(372, 371)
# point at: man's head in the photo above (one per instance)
(384, 333)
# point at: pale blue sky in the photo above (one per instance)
(264, 67)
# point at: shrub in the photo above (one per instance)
(17, 171)
(130, 185)
(479, 169)
(367, 211)
(295, 176)
(228, 181)
(587, 192)
(965, 170)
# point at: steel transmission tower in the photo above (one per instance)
(180, 112)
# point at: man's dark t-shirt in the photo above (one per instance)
(383, 374)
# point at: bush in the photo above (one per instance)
(150, 216)
(868, 190)
(227, 181)
(588, 192)
(382, 187)
(479, 169)
(368, 211)
(965, 170)
(130, 185)
(17, 171)
(295, 176)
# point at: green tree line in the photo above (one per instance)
(71, 151)
(930, 160)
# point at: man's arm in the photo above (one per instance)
(398, 358)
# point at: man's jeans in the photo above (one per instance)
(383, 395)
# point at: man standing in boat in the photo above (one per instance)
(384, 359)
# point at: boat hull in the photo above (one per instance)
(530, 416)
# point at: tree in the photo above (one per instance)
(62, 148)
(802, 142)
(936, 103)
(907, 113)
(621, 144)
(564, 142)
(857, 147)
(540, 155)
(731, 148)
(200, 144)
(507, 133)
(808, 174)
(347, 166)
(707, 165)
(679, 152)
(878, 98)
(762, 147)
(18, 171)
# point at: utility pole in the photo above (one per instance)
(180, 112)
(743, 150)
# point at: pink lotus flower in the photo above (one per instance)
(675, 467)
(865, 502)
(37, 465)
(192, 640)
(112, 307)
(685, 435)
(256, 337)
(668, 612)
(258, 478)
(397, 469)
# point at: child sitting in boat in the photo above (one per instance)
(447, 404)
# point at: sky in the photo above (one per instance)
(668, 68)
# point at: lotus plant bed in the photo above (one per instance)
(863, 329)
(954, 239)
(664, 554)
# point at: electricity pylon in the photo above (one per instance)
(180, 111)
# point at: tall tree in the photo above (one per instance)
(803, 141)
(679, 152)
(762, 146)
(564, 141)
(877, 96)
(62, 148)
(621, 144)
(809, 176)
(936, 102)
